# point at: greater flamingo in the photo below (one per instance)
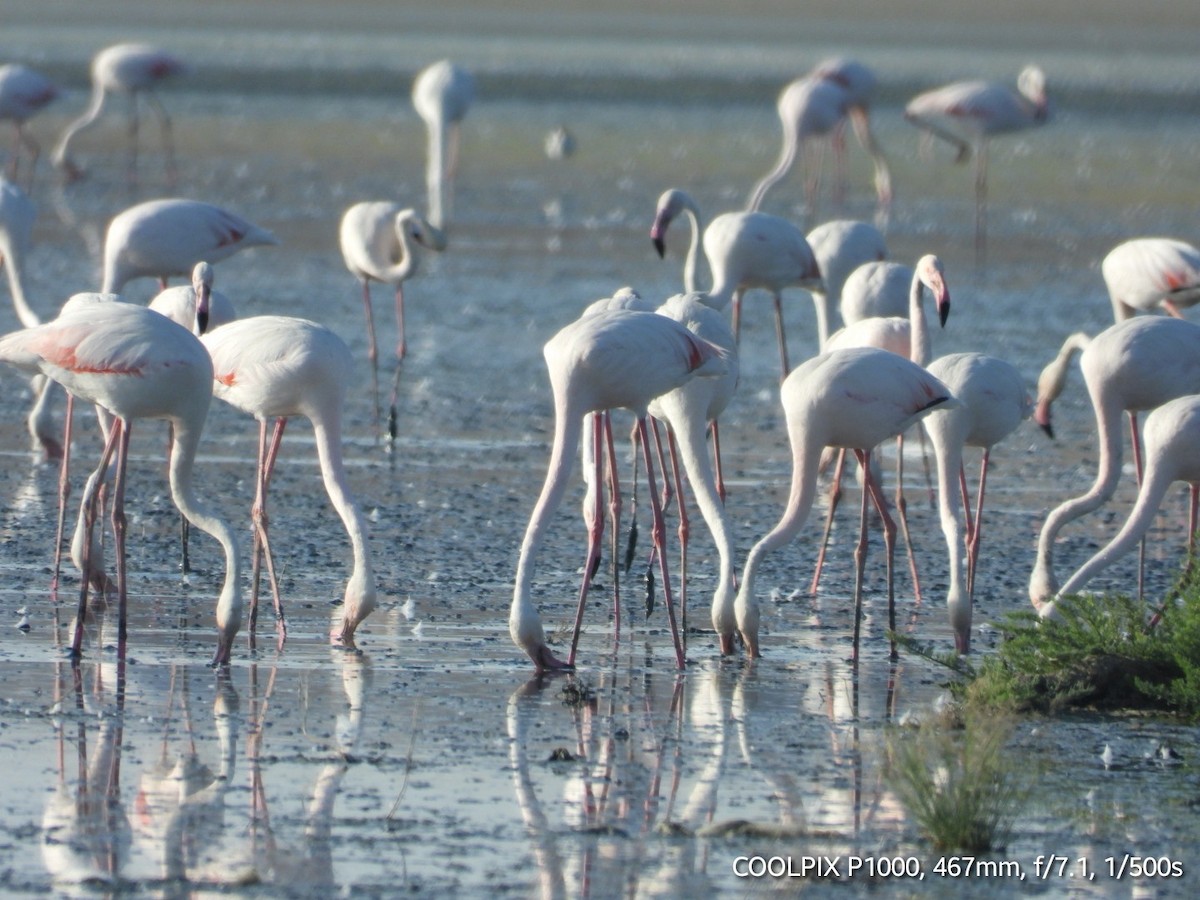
(166, 238)
(273, 368)
(442, 93)
(618, 359)
(745, 250)
(198, 307)
(968, 113)
(136, 364)
(840, 247)
(993, 402)
(24, 92)
(688, 410)
(1134, 365)
(814, 107)
(133, 70)
(379, 241)
(907, 337)
(1145, 274)
(1172, 453)
(856, 399)
(878, 288)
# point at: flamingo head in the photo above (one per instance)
(202, 281)
(1032, 85)
(933, 276)
(670, 204)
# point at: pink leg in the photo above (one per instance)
(64, 489)
(902, 511)
(781, 337)
(631, 545)
(89, 509)
(118, 523)
(977, 530)
(401, 352)
(595, 529)
(614, 513)
(660, 544)
(684, 534)
(372, 351)
(1137, 468)
(860, 552)
(889, 539)
(662, 461)
(260, 521)
(835, 495)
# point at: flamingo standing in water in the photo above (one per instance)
(165, 238)
(379, 241)
(817, 106)
(276, 367)
(744, 250)
(1134, 365)
(1145, 274)
(993, 402)
(968, 113)
(907, 337)
(1172, 453)
(442, 93)
(133, 70)
(24, 92)
(136, 364)
(856, 399)
(609, 360)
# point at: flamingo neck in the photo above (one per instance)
(435, 170)
(787, 157)
(62, 151)
(919, 343)
(11, 259)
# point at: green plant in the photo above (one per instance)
(957, 784)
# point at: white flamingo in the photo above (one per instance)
(1132, 366)
(136, 364)
(841, 246)
(132, 70)
(379, 242)
(1146, 274)
(273, 368)
(856, 399)
(968, 113)
(618, 359)
(166, 238)
(442, 93)
(24, 92)
(993, 402)
(745, 250)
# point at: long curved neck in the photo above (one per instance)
(360, 589)
(11, 257)
(435, 170)
(183, 455)
(1154, 487)
(691, 265)
(861, 123)
(787, 157)
(1108, 426)
(62, 150)
(406, 267)
(919, 344)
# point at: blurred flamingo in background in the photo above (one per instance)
(1145, 274)
(133, 70)
(968, 114)
(442, 93)
(24, 92)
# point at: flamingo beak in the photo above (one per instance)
(203, 298)
(659, 244)
(1041, 415)
(943, 307)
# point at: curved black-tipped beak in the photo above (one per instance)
(660, 245)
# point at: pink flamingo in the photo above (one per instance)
(1172, 435)
(816, 106)
(993, 402)
(1134, 365)
(136, 364)
(24, 92)
(968, 113)
(841, 246)
(856, 399)
(165, 238)
(877, 288)
(442, 93)
(379, 242)
(745, 250)
(1145, 274)
(133, 70)
(276, 367)
(907, 337)
(609, 360)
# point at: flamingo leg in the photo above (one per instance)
(718, 471)
(119, 523)
(64, 489)
(595, 530)
(631, 545)
(168, 141)
(660, 544)
(662, 460)
(684, 533)
(261, 521)
(902, 511)
(88, 509)
(1137, 468)
(131, 175)
(977, 530)
(889, 542)
(838, 143)
(811, 163)
(614, 512)
(781, 337)
(835, 495)
(860, 553)
(372, 351)
(401, 351)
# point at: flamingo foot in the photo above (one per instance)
(545, 661)
(726, 641)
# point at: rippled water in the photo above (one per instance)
(424, 763)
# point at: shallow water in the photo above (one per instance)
(422, 764)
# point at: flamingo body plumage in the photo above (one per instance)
(1148, 274)
(24, 92)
